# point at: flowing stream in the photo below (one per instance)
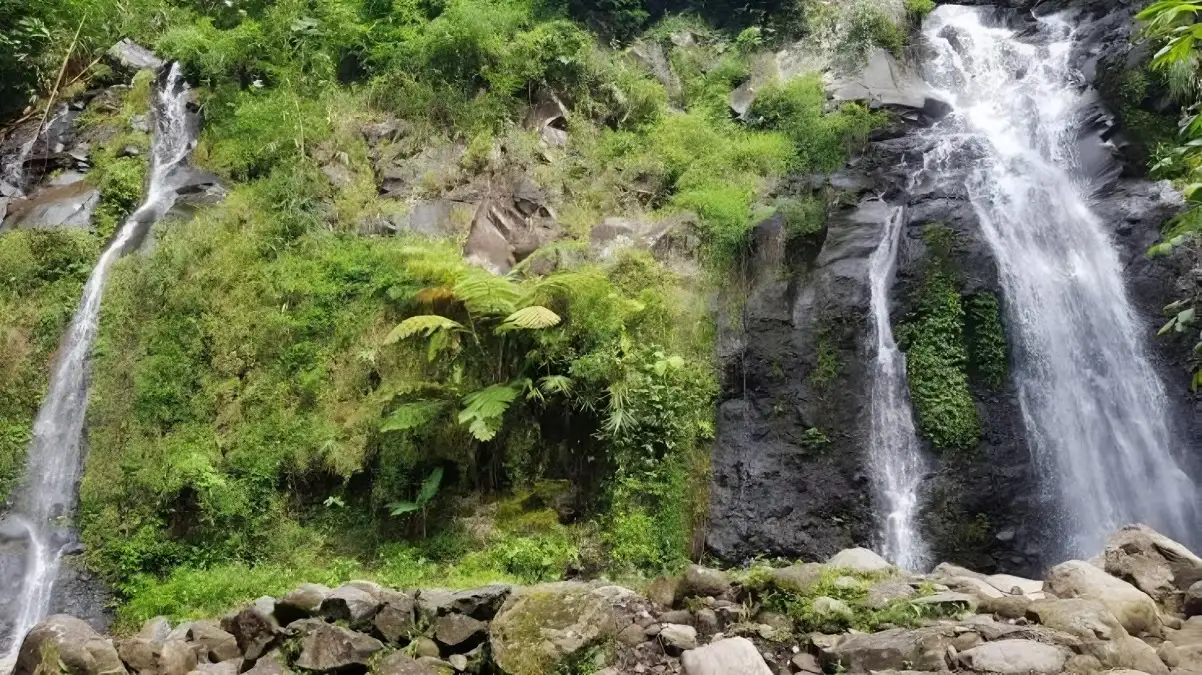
(1095, 412)
(897, 465)
(47, 497)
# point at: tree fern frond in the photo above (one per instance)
(485, 293)
(425, 324)
(482, 410)
(555, 384)
(530, 318)
(412, 415)
(435, 294)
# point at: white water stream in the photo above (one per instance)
(47, 497)
(897, 464)
(1095, 412)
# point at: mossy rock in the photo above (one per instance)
(547, 624)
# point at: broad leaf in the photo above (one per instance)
(530, 318)
(425, 324)
(401, 508)
(485, 293)
(482, 410)
(430, 486)
(412, 415)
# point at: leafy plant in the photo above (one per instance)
(425, 495)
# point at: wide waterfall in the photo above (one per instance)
(1096, 413)
(896, 462)
(47, 497)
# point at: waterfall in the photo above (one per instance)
(1095, 412)
(46, 499)
(896, 461)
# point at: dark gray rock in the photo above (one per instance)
(458, 632)
(396, 620)
(327, 649)
(302, 602)
(216, 644)
(478, 603)
(399, 663)
(255, 628)
(349, 603)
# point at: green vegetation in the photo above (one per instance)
(42, 274)
(937, 359)
(988, 354)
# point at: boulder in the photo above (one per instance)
(224, 668)
(478, 603)
(302, 602)
(706, 621)
(270, 664)
(140, 655)
(131, 56)
(349, 603)
(1125, 652)
(893, 649)
(510, 223)
(70, 206)
(883, 82)
(831, 611)
(949, 602)
(1134, 609)
(156, 629)
(1007, 606)
(1012, 585)
(650, 54)
(798, 578)
(459, 632)
(396, 620)
(860, 560)
(677, 638)
(424, 646)
(400, 663)
(1015, 657)
(1192, 603)
(214, 643)
(1087, 619)
(544, 624)
(64, 644)
(255, 628)
(664, 590)
(1153, 563)
(326, 648)
(549, 117)
(705, 582)
(176, 658)
(731, 656)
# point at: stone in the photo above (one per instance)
(884, 592)
(224, 668)
(509, 225)
(326, 648)
(677, 638)
(140, 655)
(478, 603)
(949, 602)
(677, 616)
(663, 591)
(1153, 563)
(703, 581)
(742, 98)
(883, 81)
(893, 649)
(859, 560)
(216, 644)
(67, 206)
(397, 619)
(400, 663)
(64, 644)
(797, 578)
(349, 603)
(805, 663)
(1087, 619)
(458, 662)
(1167, 653)
(549, 117)
(424, 646)
(542, 625)
(730, 656)
(459, 632)
(1015, 657)
(779, 622)
(632, 635)
(156, 629)
(255, 628)
(176, 658)
(338, 174)
(980, 587)
(270, 664)
(133, 57)
(1007, 606)
(1125, 652)
(1192, 603)
(831, 610)
(1134, 609)
(1012, 585)
(706, 621)
(302, 602)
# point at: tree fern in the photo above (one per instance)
(426, 324)
(483, 410)
(485, 293)
(412, 415)
(530, 318)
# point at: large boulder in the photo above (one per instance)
(1134, 609)
(133, 57)
(732, 656)
(1086, 618)
(396, 620)
(478, 603)
(1016, 657)
(326, 648)
(302, 602)
(1192, 606)
(542, 625)
(893, 649)
(703, 581)
(859, 560)
(509, 225)
(350, 603)
(400, 663)
(64, 644)
(67, 206)
(1153, 563)
(458, 632)
(798, 578)
(884, 82)
(214, 643)
(255, 628)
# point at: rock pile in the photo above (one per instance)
(1136, 609)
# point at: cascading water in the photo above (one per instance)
(48, 494)
(1095, 412)
(896, 466)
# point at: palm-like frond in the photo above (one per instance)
(412, 415)
(485, 293)
(530, 318)
(482, 410)
(426, 324)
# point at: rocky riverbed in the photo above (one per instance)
(1137, 608)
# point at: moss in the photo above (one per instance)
(988, 353)
(827, 366)
(932, 337)
(814, 439)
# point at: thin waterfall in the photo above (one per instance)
(47, 497)
(1095, 412)
(896, 461)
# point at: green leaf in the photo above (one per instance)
(530, 318)
(425, 324)
(401, 508)
(412, 415)
(555, 384)
(482, 410)
(430, 486)
(484, 293)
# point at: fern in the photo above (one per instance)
(530, 318)
(412, 415)
(555, 384)
(425, 496)
(482, 410)
(425, 323)
(484, 293)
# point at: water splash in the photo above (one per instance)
(896, 464)
(1094, 410)
(47, 497)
